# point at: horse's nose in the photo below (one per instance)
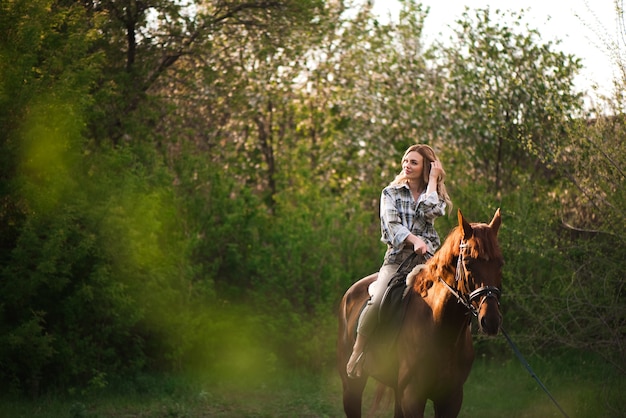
(490, 324)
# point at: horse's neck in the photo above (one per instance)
(445, 304)
(450, 318)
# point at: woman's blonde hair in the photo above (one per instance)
(429, 156)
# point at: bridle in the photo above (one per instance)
(481, 294)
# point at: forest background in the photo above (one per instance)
(190, 187)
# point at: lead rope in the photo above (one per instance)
(513, 346)
(518, 353)
(530, 370)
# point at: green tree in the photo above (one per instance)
(143, 41)
(90, 249)
(584, 305)
(46, 72)
(507, 99)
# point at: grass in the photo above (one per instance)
(583, 386)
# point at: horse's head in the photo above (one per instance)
(479, 271)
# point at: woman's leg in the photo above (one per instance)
(369, 319)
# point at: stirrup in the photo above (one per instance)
(355, 373)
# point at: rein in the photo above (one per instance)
(487, 292)
(482, 292)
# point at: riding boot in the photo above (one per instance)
(355, 363)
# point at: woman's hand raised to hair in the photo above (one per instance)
(436, 172)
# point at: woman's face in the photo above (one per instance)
(413, 165)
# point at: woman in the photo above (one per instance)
(409, 206)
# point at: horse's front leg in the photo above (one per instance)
(397, 411)
(450, 406)
(353, 396)
(412, 405)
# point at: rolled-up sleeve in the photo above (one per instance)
(430, 206)
(392, 228)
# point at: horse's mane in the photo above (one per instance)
(483, 244)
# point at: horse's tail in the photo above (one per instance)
(343, 338)
(379, 395)
(345, 307)
(344, 318)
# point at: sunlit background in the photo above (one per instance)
(585, 29)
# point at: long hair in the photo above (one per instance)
(429, 156)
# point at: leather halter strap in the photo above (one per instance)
(482, 292)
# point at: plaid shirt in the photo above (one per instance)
(400, 214)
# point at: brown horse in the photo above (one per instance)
(430, 355)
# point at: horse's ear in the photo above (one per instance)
(496, 222)
(468, 232)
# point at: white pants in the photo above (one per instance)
(369, 316)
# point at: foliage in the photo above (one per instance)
(583, 306)
(583, 385)
(190, 187)
(506, 99)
